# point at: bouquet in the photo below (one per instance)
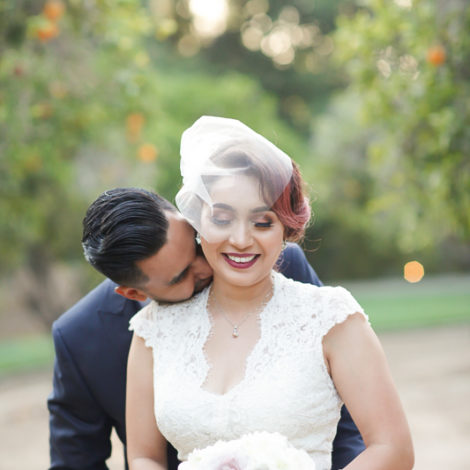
(255, 451)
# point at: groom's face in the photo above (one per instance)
(178, 270)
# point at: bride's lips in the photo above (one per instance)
(240, 261)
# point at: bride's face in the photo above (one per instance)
(241, 237)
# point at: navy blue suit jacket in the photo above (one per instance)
(92, 342)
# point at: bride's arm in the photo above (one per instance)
(360, 372)
(146, 447)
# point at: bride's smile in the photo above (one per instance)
(240, 260)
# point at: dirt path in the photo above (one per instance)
(431, 369)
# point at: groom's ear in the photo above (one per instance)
(131, 293)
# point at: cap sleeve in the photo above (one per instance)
(144, 323)
(338, 305)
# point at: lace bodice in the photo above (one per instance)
(286, 387)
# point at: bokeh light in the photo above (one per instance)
(210, 18)
(413, 271)
(407, 4)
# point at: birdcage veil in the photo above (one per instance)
(216, 147)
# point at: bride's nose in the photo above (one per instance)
(240, 235)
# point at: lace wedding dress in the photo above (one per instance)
(286, 387)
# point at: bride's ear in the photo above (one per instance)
(131, 293)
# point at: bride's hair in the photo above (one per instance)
(292, 207)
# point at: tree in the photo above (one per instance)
(91, 100)
(284, 44)
(408, 66)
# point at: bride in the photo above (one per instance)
(255, 351)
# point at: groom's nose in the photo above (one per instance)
(201, 269)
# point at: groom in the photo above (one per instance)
(128, 237)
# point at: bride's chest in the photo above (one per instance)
(279, 349)
(284, 381)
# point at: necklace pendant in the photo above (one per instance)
(235, 332)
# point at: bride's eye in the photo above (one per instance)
(221, 218)
(263, 222)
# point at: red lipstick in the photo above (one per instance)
(239, 263)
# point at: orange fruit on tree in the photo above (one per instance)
(53, 9)
(134, 123)
(436, 55)
(47, 31)
(147, 153)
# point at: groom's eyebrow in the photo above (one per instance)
(179, 276)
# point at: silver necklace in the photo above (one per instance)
(236, 326)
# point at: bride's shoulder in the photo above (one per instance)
(299, 288)
(290, 287)
(315, 297)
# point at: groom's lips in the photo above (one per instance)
(240, 261)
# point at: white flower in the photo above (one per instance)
(255, 451)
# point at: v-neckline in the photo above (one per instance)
(248, 357)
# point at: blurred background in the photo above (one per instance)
(370, 97)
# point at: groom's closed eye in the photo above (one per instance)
(179, 277)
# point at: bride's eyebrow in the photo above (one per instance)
(220, 205)
(261, 209)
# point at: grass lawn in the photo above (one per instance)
(391, 312)
(397, 304)
(390, 304)
(25, 354)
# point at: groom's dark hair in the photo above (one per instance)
(121, 227)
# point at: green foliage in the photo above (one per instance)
(349, 244)
(58, 97)
(398, 139)
(96, 105)
(284, 44)
(98, 97)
